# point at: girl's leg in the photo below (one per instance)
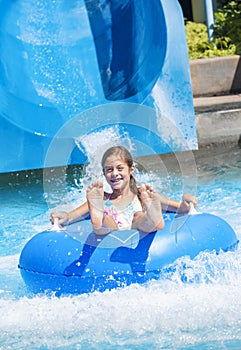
(94, 195)
(152, 219)
(102, 224)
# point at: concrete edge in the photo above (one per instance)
(216, 76)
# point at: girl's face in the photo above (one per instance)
(117, 173)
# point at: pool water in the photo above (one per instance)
(203, 313)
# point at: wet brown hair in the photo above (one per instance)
(122, 153)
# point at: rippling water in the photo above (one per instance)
(164, 314)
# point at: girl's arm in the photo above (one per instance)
(67, 218)
(180, 207)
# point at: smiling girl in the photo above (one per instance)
(127, 207)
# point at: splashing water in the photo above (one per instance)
(88, 145)
(194, 305)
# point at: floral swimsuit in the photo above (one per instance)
(123, 217)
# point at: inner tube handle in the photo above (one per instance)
(192, 210)
(56, 226)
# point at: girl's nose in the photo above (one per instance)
(114, 171)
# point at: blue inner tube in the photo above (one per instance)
(75, 261)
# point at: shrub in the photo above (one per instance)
(199, 45)
(228, 24)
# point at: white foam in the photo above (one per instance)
(161, 314)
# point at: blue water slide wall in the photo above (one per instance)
(61, 61)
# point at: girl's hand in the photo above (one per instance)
(62, 216)
(185, 204)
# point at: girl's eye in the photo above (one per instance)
(108, 170)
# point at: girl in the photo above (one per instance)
(127, 207)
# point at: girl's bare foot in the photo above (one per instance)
(151, 201)
(95, 195)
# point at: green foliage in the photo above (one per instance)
(228, 24)
(227, 33)
(199, 45)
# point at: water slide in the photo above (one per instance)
(70, 69)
